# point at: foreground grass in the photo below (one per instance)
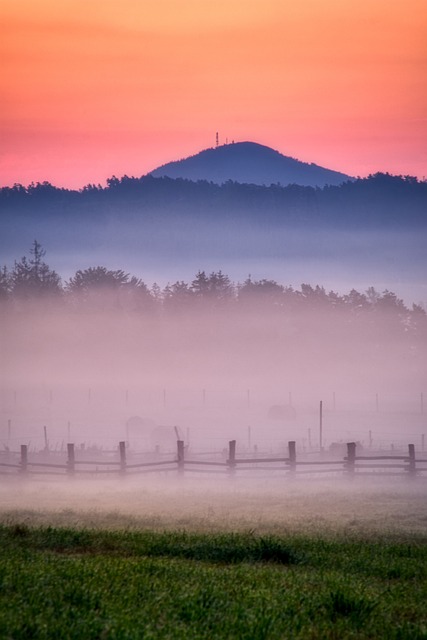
(71, 583)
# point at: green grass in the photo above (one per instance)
(80, 583)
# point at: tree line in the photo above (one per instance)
(32, 280)
(398, 200)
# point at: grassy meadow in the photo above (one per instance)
(200, 561)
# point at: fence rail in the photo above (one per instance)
(350, 465)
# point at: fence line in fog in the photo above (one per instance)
(375, 401)
(351, 465)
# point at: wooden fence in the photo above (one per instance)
(351, 465)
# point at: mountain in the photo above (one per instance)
(250, 163)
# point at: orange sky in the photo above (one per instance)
(92, 88)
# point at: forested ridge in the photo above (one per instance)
(380, 198)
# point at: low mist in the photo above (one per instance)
(95, 366)
(215, 370)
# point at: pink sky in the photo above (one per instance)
(92, 89)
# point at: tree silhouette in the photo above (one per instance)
(101, 288)
(216, 288)
(356, 301)
(178, 296)
(266, 293)
(200, 285)
(33, 278)
(5, 283)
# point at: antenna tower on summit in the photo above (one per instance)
(217, 139)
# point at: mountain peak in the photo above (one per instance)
(249, 162)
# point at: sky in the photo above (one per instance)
(95, 88)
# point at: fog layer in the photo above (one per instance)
(213, 368)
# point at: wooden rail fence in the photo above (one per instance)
(351, 465)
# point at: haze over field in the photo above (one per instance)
(209, 356)
(228, 293)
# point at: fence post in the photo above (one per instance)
(411, 467)
(24, 458)
(122, 449)
(321, 425)
(180, 450)
(292, 457)
(71, 459)
(231, 457)
(351, 457)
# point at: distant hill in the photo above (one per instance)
(249, 163)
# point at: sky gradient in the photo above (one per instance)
(92, 89)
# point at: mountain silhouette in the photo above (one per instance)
(250, 163)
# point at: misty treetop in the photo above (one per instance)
(31, 280)
(99, 287)
(30, 277)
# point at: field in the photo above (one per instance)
(200, 560)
